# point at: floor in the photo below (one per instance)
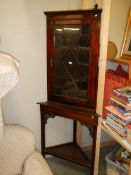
(62, 167)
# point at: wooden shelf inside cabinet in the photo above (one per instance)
(69, 151)
(124, 61)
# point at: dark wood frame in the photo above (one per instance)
(69, 151)
(83, 111)
(91, 17)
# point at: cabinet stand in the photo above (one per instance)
(70, 151)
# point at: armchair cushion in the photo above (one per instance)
(36, 165)
(17, 143)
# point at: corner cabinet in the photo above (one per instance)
(72, 76)
(72, 56)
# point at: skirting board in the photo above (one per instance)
(102, 145)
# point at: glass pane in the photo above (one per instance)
(71, 60)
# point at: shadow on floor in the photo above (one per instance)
(63, 167)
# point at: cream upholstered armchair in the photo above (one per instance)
(18, 155)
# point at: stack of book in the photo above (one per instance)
(119, 110)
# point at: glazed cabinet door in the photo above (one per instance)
(72, 57)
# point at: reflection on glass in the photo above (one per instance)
(71, 60)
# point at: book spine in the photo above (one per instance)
(120, 96)
(125, 92)
(120, 102)
(117, 105)
(115, 111)
(119, 133)
(121, 127)
(117, 119)
(117, 127)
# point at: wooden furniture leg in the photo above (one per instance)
(43, 122)
(74, 131)
(44, 118)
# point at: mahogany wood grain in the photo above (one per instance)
(87, 17)
(69, 151)
(77, 109)
(70, 111)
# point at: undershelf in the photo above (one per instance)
(69, 151)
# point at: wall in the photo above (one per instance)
(23, 34)
(118, 18)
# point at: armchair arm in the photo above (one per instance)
(35, 164)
